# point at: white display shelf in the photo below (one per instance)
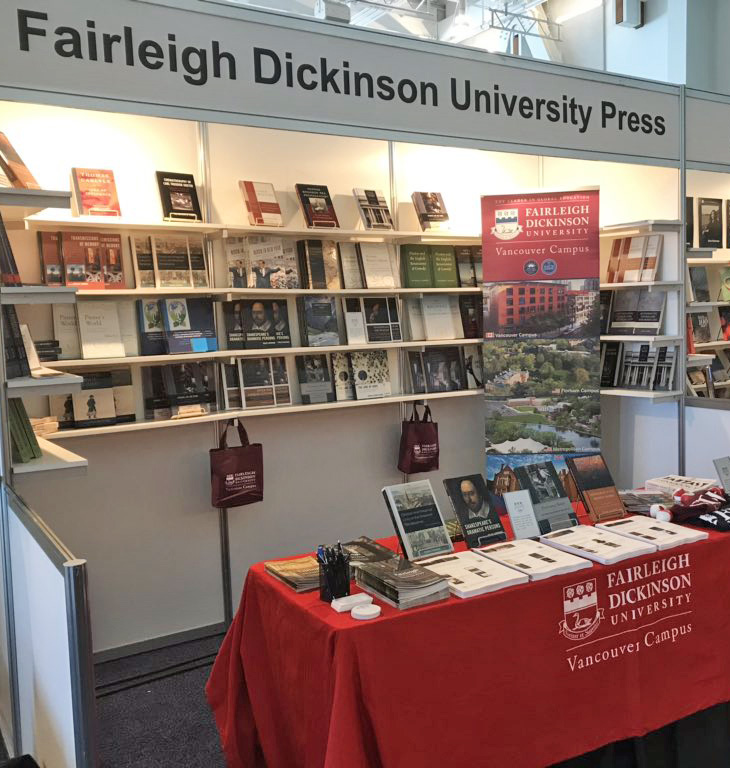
(698, 262)
(55, 457)
(706, 304)
(656, 285)
(117, 224)
(699, 361)
(701, 250)
(37, 294)
(644, 339)
(229, 293)
(268, 352)
(712, 344)
(639, 227)
(50, 385)
(253, 412)
(17, 204)
(643, 394)
(721, 384)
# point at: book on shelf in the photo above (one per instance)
(382, 323)
(401, 583)
(718, 368)
(444, 369)
(373, 208)
(371, 374)
(233, 324)
(99, 330)
(315, 382)
(154, 394)
(16, 360)
(127, 313)
(688, 335)
(231, 386)
(270, 262)
(553, 510)
(317, 206)
(534, 559)
(13, 169)
(637, 312)
(469, 574)
(37, 370)
(151, 328)
(171, 261)
(265, 382)
(377, 265)
(49, 248)
(479, 521)
(179, 196)
(652, 257)
(638, 366)
(443, 265)
(44, 425)
(198, 263)
(61, 407)
(724, 293)
(264, 323)
(94, 404)
(23, 441)
(701, 333)
(663, 535)
(414, 318)
(465, 266)
(610, 363)
(143, 262)
(236, 258)
(417, 265)
(318, 321)
(417, 519)
(472, 316)
(606, 301)
(596, 487)
(123, 393)
(431, 210)
(319, 264)
(343, 376)
(441, 317)
(614, 260)
(476, 252)
(698, 285)
(94, 192)
(598, 545)
(47, 350)
(262, 205)
(473, 367)
(354, 317)
(9, 274)
(710, 222)
(631, 259)
(665, 367)
(689, 219)
(350, 265)
(190, 389)
(417, 371)
(81, 254)
(300, 573)
(189, 325)
(110, 246)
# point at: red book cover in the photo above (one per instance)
(261, 204)
(540, 236)
(51, 262)
(81, 253)
(111, 260)
(95, 193)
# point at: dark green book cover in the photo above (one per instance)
(416, 266)
(443, 264)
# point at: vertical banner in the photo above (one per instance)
(541, 331)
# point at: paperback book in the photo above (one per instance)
(94, 192)
(381, 319)
(171, 261)
(189, 325)
(550, 502)
(470, 575)
(270, 262)
(350, 265)
(81, 254)
(198, 263)
(663, 535)
(342, 375)
(143, 261)
(595, 485)
(190, 389)
(236, 258)
(264, 323)
(537, 561)
(443, 266)
(318, 321)
(111, 260)
(319, 264)
(479, 522)
(151, 328)
(317, 206)
(99, 330)
(401, 583)
(416, 264)
(9, 274)
(231, 385)
(377, 265)
(371, 374)
(354, 320)
(257, 379)
(430, 210)
(49, 247)
(701, 332)
(93, 406)
(179, 196)
(261, 203)
(598, 545)
(66, 331)
(315, 382)
(472, 316)
(373, 208)
(444, 370)
(710, 222)
(465, 265)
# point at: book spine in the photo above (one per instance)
(18, 434)
(302, 257)
(302, 316)
(28, 429)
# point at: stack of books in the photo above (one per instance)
(300, 573)
(401, 583)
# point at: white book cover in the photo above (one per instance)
(350, 265)
(470, 575)
(142, 261)
(342, 375)
(66, 331)
(652, 254)
(597, 544)
(456, 317)
(262, 205)
(354, 321)
(127, 314)
(37, 371)
(414, 314)
(661, 534)
(99, 330)
(536, 560)
(438, 318)
(371, 374)
(377, 265)
(521, 514)
(635, 256)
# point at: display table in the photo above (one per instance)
(498, 680)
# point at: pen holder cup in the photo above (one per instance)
(333, 582)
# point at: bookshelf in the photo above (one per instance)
(50, 385)
(55, 458)
(228, 294)
(37, 294)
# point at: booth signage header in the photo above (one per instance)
(255, 66)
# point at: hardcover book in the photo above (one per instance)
(151, 328)
(381, 319)
(271, 262)
(652, 255)
(154, 394)
(94, 192)
(371, 374)
(443, 266)
(417, 371)
(231, 385)
(198, 263)
(82, 259)
(469, 499)
(13, 168)
(233, 322)
(606, 299)
(142, 261)
(318, 321)
(377, 265)
(236, 261)
(172, 262)
(595, 485)
(416, 260)
(430, 210)
(319, 264)
(317, 206)
(417, 519)
(111, 260)
(443, 369)
(123, 393)
(190, 389)
(178, 196)
(689, 218)
(438, 318)
(373, 208)
(472, 316)
(315, 383)
(698, 281)
(127, 312)
(262, 206)
(189, 325)
(710, 221)
(354, 320)
(265, 323)
(350, 266)
(465, 265)
(66, 331)
(342, 375)
(93, 406)
(610, 363)
(99, 330)
(700, 327)
(552, 507)
(258, 382)
(51, 263)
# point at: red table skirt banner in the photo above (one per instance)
(524, 677)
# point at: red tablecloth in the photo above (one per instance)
(489, 681)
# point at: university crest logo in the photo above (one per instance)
(506, 223)
(581, 614)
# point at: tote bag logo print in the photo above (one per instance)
(581, 614)
(506, 223)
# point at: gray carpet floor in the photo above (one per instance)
(152, 709)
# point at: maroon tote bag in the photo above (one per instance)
(419, 443)
(236, 473)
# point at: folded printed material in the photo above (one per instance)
(662, 535)
(595, 544)
(469, 574)
(534, 559)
